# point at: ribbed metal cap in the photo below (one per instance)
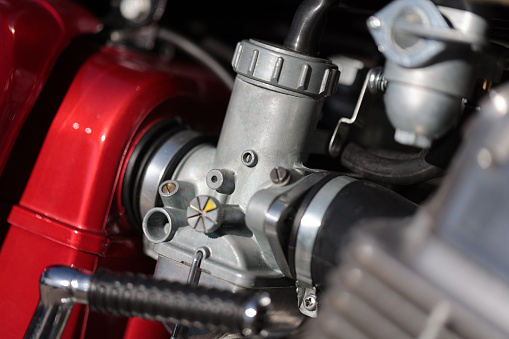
(285, 69)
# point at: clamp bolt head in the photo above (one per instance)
(310, 302)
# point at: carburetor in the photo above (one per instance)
(209, 201)
(259, 218)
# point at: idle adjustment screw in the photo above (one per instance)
(168, 187)
(280, 175)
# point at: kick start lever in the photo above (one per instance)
(142, 296)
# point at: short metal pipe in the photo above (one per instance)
(160, 223)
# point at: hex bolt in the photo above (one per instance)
(280, 175)
(310, 302)
(221, 180)
(249, 158)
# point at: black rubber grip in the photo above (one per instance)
(142, 296)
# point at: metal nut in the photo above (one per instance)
(376, 81)
(249, 158)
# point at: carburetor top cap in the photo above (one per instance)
(278, 66)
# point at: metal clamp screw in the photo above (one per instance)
(310, 302)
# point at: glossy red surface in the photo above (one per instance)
(23, 258)
(66, 215)
(60, 233)
(32, 36)
(77, 169)
(140, 328)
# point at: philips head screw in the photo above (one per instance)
(310, 302)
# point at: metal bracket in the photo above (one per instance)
(374, 83)
(307, 299)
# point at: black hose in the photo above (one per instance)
(308, 25)
(402, 171)
(357, 202)
(146, 297)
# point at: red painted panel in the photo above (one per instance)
(141, 328)
(77, 169)
(65, 214)
(23, 258)
(32, 36)
(60, 233)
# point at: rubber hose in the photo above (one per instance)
(142, 296)
(357, 202)
(308, 25)
(392, 171)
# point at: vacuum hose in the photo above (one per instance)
(308, 25)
